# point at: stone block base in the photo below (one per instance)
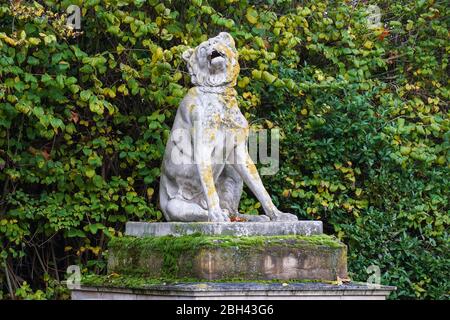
(288, 257)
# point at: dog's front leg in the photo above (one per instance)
(203, 149)
(215, 213)
(247, 169)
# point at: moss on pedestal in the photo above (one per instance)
(173, 244)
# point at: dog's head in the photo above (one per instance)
(214, 62)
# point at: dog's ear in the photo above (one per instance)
(187, 54)
(227, 38)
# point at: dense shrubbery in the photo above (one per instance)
(363, 112)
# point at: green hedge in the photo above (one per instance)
(364, 116)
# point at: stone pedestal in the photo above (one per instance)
(237, 260)
(237, 229)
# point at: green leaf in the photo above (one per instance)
(90, 173)
(76, 233)
(85, 95)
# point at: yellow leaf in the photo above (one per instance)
(120, 48)
(34, 41)
(113, 275)
(269, 78)
(256, 74)
(441, 160)
(109, 92)
(8, 40)
(150, 192)
(368, 44)
(344, 280)
(95, 250)
(269, 124)
(157, 55)
(252, 15)
(243, 82)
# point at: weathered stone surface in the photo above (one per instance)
(236, 291)
(140, 229)
(214, 258)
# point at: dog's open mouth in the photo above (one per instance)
(215, 54)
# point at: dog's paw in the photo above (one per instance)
(253, 217)
(218, 215)
(283, 216)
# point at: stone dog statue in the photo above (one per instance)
(206, 159)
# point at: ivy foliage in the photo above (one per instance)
(363, 108)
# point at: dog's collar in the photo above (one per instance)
(225, 90)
